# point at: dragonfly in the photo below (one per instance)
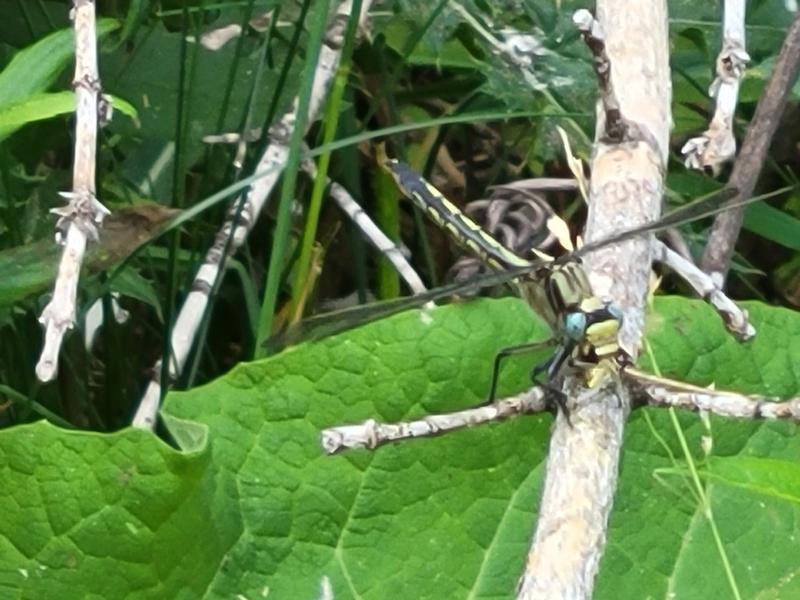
(585, 327)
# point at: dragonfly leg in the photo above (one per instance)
(560, 399)
(551, 367)
(506, 352)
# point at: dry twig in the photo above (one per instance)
(649, 390)
(371, 434)
(78, 221)
(747, 168)
(626, 189)
(717, 144)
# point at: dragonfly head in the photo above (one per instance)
(578, 322)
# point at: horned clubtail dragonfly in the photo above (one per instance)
(585, 327)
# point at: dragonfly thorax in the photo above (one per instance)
(587, 324)
(600, 322)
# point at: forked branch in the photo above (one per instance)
(625, 190)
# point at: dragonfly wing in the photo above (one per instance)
(331, 323)
(705, 206)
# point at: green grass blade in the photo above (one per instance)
(317, 22)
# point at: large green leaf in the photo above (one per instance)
(256, 509)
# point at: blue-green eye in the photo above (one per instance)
(575, 325)
(615, 311)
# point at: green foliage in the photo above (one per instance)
(30, 269)
(134, 78)
(45, 106)
(36, 68)
(429, 67)
(244, 504)
(774, 225)
(32, 71)
(250, 504)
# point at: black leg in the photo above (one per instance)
(510, 351)
(560, 399)
(552, 366)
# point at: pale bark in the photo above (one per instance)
(372, 434)
(747, 168)
(626, 189)
(735, 318)
(650, 390)
(717, 144)
(78, 221)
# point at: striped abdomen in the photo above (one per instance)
(466, 232)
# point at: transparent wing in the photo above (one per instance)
(330, 323)
(718, 201)
(319, 326)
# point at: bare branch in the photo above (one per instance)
(649, 390)
(539, 184)
(747, 168)
(371, 434)
(95, 317)
(677, 243)
(626, 189)
(717, 144)
(78, 221)
(616, 128)
(244, 213)
(735, 318)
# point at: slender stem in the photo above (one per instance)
(331, 125)
(318, 21)
(707, 511)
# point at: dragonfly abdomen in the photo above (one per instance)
(466, 232)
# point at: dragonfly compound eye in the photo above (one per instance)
(615, 311)
(575, 325)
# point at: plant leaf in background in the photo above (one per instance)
(36, 68)
(774, 225)
(251, 507)
(531, 57)
(45, 106)
(31, 269)
(33, 70)
(128, 72)
(246, 505)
